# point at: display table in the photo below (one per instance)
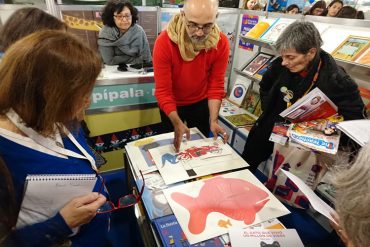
(154, 215)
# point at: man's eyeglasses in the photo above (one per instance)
(121, 17)
(123, 202)
(193, 27)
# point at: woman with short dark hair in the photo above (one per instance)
(121, 40)
(317, 9)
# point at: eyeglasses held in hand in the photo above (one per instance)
(123, 202)
(121, 17)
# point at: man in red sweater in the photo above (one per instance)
(190, 60)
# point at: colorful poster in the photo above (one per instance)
(209, 208)
(196, 158)
(248, 22)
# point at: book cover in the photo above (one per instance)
(320, 135)
(153, 198)
(273, 33)
(257, 63)
(262, 70)
(172, 235)
(312, 106)
(258, 30)
(364, 58)
(351, 48)
(259, 237)
(239, 91)
(241, 120)
(251, 101)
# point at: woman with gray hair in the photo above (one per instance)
(352, 201)
(301, 67)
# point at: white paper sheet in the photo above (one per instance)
(317, 203)
(196, 158)
(208, 208)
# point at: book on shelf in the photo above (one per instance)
(257, 30)
(351, 48)
(171, 234)
(251, 101)
(357, 130)
(260, 237)
(312, 106)
(241, 120)
(258, 61)
(320, 134)
(364, 58)
(239, 91)
(273, 32)
(262, 70)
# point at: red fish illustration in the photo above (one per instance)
(235, 198)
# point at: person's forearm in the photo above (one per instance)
(214, 108)
(174, 118)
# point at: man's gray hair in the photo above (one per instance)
(353, 198)
(301, 36)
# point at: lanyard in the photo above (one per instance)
(314, 80)
(48, 143)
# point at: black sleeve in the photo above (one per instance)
(267, 82)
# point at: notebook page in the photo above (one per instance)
(45, 195)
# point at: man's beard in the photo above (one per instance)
(198, 40)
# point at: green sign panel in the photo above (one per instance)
(106, 96)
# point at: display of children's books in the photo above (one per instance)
(273, 33)
(364, 58)
(320, 134)
(351, 48)
(172, 235)
(241, 119)
(257, 63)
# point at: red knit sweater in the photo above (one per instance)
(180, 83)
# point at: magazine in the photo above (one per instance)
(320, 135)
(351, 48)
(314, 105)
(257, 63)
(259, 237)
(241, 120)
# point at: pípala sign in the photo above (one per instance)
(140, 95)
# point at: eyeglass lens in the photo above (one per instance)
(127, 17)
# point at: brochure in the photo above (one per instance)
(312, 106)
(257, 238)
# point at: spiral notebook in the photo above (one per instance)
(46, 194)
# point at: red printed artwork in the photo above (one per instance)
(235, 198)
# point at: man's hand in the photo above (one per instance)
(217, 129)
(81, 210)
(180, 129)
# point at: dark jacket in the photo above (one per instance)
(332, 80)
